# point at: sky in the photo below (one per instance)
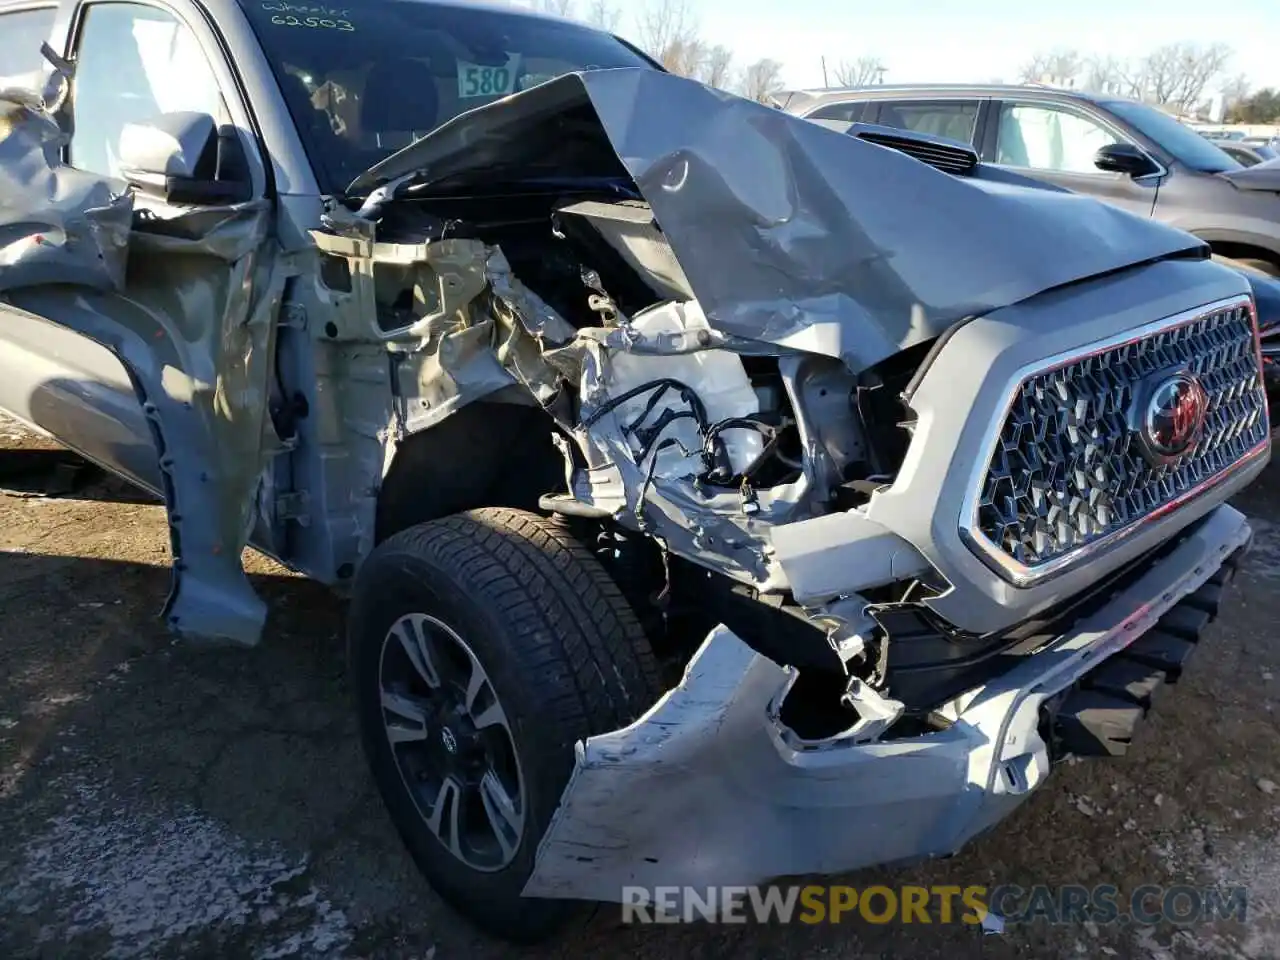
(978, 41)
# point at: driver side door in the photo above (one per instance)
(141, 281)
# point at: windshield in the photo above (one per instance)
(1178, 140)
(365, 78)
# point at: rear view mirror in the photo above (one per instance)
(1125, 158)
(186, 158)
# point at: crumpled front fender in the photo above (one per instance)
(709, 788)
(705, 789)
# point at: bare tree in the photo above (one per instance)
(1059, 67)
(717, 69)
(686, 56)
(1032, 70)
(668, 31)
(561, 8)
(761, 80)
(1178, 74)
(1161, 74)
(860, 72)
(1106, 74)
(603, 14)
(1133, 79)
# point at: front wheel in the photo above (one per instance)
(483, 647)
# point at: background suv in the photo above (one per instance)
(1123, 152)
(1247, 155)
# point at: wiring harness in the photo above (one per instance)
(717, 468)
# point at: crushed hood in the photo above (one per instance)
(1262, 176)
(788, 232)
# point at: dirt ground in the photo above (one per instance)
(160, 800)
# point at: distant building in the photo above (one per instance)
(1218, 108)
(1051, 80)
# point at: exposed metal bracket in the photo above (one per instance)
(294, 506)
(876, 714)
(293, 316)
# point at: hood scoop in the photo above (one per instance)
(949, 156)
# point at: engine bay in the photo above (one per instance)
(684, 448)
(603, 265)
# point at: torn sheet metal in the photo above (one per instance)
(709, 788)
(837, 553)
(787, 232)
(738, 803)
(187, 303)
(423, 330)
(57, 225)
(473, 329)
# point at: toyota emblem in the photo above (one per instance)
(1175, 415)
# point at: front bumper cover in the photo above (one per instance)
(709, 788)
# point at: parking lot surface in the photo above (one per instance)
(163, 800)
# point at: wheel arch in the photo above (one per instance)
(489, 453)
(1237, 245)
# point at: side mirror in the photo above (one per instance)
(186, 158)
(1125, 158)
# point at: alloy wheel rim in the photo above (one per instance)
(451, 741)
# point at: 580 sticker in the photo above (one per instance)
(488, 80)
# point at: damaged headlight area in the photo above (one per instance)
(695, 462)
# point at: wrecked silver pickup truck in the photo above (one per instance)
(720, 496)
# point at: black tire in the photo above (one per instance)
(565, 656)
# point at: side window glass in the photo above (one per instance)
(21, 34)
(954, 119)
(849, 112)
(134, 63)
(1045, 138)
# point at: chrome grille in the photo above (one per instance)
(1068, 468)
